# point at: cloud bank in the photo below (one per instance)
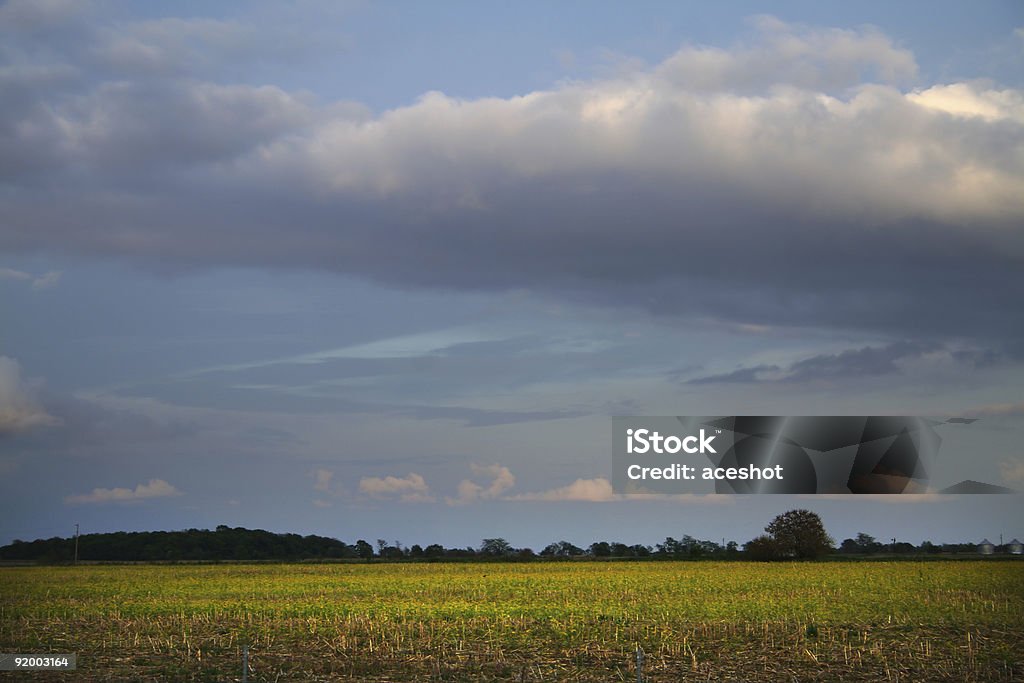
(803, 178)
(869, 361)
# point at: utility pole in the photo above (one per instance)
(76, 543)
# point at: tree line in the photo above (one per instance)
(797, 534)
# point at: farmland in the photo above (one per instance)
(854, 621)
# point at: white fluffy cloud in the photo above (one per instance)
(500, 480)
(411, 488)
(972, 100)
(804, 56)
(19, 410)
(586, 490)
(156, 488)
(765, 121)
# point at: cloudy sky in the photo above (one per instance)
(386, 270)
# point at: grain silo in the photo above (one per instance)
(1015, 547)
(986, 547)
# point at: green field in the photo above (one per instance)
(853, 621)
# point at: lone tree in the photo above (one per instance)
(495, 547)
(800, 534)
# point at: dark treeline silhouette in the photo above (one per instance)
(194, 544)
(864, 544)
(239, 544)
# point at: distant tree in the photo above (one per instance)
(763, 549)
(701, 548)
(849, 546)
(364, 549)
(687, 547)
(600, 549)
(495, 547)
(799, 534)
(416, 551)
(670, 548)
(569, 550)
(434, 550)
(620, 550)
(868, 544)
(689, 544)
(392, 552)
(561, 549)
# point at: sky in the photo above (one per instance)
(387, 270)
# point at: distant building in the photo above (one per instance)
(1015, 547)
(986, 547)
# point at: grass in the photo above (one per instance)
(863, 621)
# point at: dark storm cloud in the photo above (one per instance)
(869, 361)
(865, 362)
(788, 182)
(90, 429)
(740, 376)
